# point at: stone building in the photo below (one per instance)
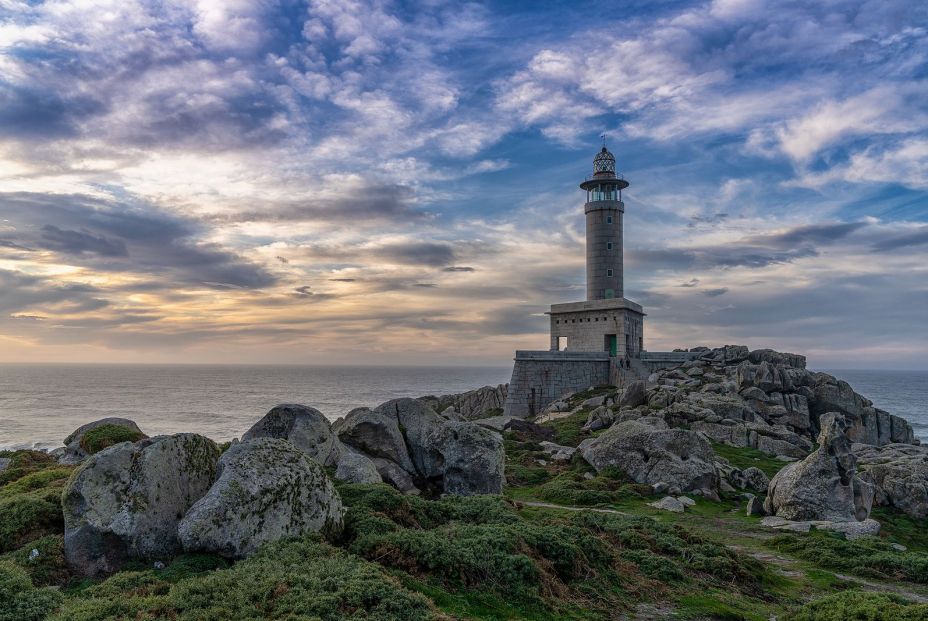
(599, 340)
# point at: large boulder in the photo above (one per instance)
(650, 453)
(267, 489)
(416, 421)
(824, 485)
(635, 394)
(376, 433)
(74, 453)
(900, 475)
(126, 501)
(468, 458)
(304, 427)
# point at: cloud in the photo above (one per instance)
(126, 237)
(458, 268)
(714, 293)
(78, 242)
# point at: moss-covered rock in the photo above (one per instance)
(126, 501)
(267, 489)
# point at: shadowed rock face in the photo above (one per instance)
(823, 486)
(126, 501)
(900, 473)
(267, 489)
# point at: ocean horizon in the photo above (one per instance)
(40, 404)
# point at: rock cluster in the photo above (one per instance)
(154, 498)
(650, 452)
(417, 450)
(766, 400)
(127, 501)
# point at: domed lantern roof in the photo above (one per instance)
(604, 163)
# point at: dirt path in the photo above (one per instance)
(546, 505)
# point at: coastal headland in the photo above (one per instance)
(736, 485)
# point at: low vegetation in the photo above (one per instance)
(482, 558)
(867, 556)
(99, 438)
(30, 499)
(861, 606)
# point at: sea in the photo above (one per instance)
(40, 404)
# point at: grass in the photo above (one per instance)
(744, 457)
(99, 438)
(568, 430)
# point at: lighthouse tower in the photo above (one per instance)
(604, 209)
(606, 321)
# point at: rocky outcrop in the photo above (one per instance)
(126, 501)
(478, 403)
(823, 486)
(73, 453)
(267, 489)
(304, 427)
(899, 473)
(651, 453)
(760, 399)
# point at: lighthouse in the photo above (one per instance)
(606, 321)
(604, 210)
(600, 340)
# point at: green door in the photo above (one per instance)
(613, 345)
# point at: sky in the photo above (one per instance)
(342, 182)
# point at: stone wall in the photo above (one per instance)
(540, 377)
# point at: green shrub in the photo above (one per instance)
(49, 567)
(28, 516)
(41, 479)
(23, 463)
(291, 579)
(861, 606)
(19, 599)
(481, 545)
(867, 556)
(99, 438)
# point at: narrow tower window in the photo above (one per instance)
(608, 245)
(609, 273)
(608, 219)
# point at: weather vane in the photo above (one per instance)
(603, 136)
